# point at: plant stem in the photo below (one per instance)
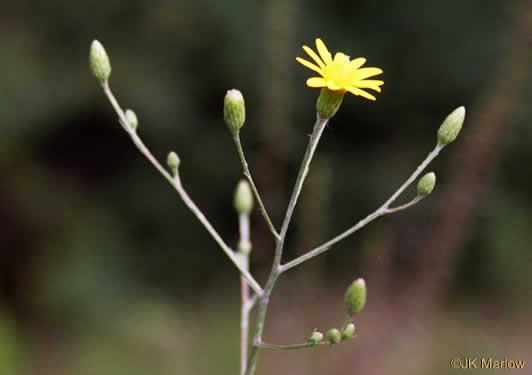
(291, 347)
(383, 210)
(247, 173)
(176, 183)
(264, 300)
(245, 247)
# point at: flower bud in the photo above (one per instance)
(426, 184)
(348, 332)
(334, 336)
(355, 297)
(99, 61)
(316, 337)
(328, 102)
(132, 119)
(234, 111)
(173, 162)
(243, 200)
(451, 126)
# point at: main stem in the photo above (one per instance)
(317, 131)
(244, 248)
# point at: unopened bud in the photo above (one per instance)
(316, 337)
(243, 200)
(234, 111)
(426, 184)
(99, 61)
(334, 336)
(328, 102)
(355, 297)
(173, 162)
(348, 332)
(451, 126)
(132, 119)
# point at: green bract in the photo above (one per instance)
(328, 102)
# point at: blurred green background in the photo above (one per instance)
(105, 271)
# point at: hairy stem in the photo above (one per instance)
(247, 173)
(383, 210)
(175, 181)
(317, 131)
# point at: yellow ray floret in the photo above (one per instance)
(341, 73)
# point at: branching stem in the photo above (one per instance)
(317, 131)
(383, 210)
(175, 181)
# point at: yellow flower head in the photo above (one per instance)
(340, 74)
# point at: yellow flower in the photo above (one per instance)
(340, 74)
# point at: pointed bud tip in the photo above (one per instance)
(243, 199)
(334, 336)
(451, 126)
(348, 332)
(234, 110)
(99, 61)
(316, 337)
(173, 161)
(355, 297)
(132, 119)
(426, 184)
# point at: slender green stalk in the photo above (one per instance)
(247, 173)
(383, 210)
(264, 300)
(243, 226)
(176, 183)
(306, 345)
(404, 206)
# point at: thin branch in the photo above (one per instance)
(404, 206)
(383, 210)
(306, 345)
(176, 183)
(247, 173)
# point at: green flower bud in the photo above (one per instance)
(355, 297)
(348, 332)
(99, 61)
(234, 111)
(173, 162)
(316, 337)
(243, 200)
(328, 102)
(451, 126)
(132, 119)
(426, 184)
(334, 336)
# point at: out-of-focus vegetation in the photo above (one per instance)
(105, 271)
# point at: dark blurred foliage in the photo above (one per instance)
(105, 271)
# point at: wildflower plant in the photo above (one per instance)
(338, 76)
